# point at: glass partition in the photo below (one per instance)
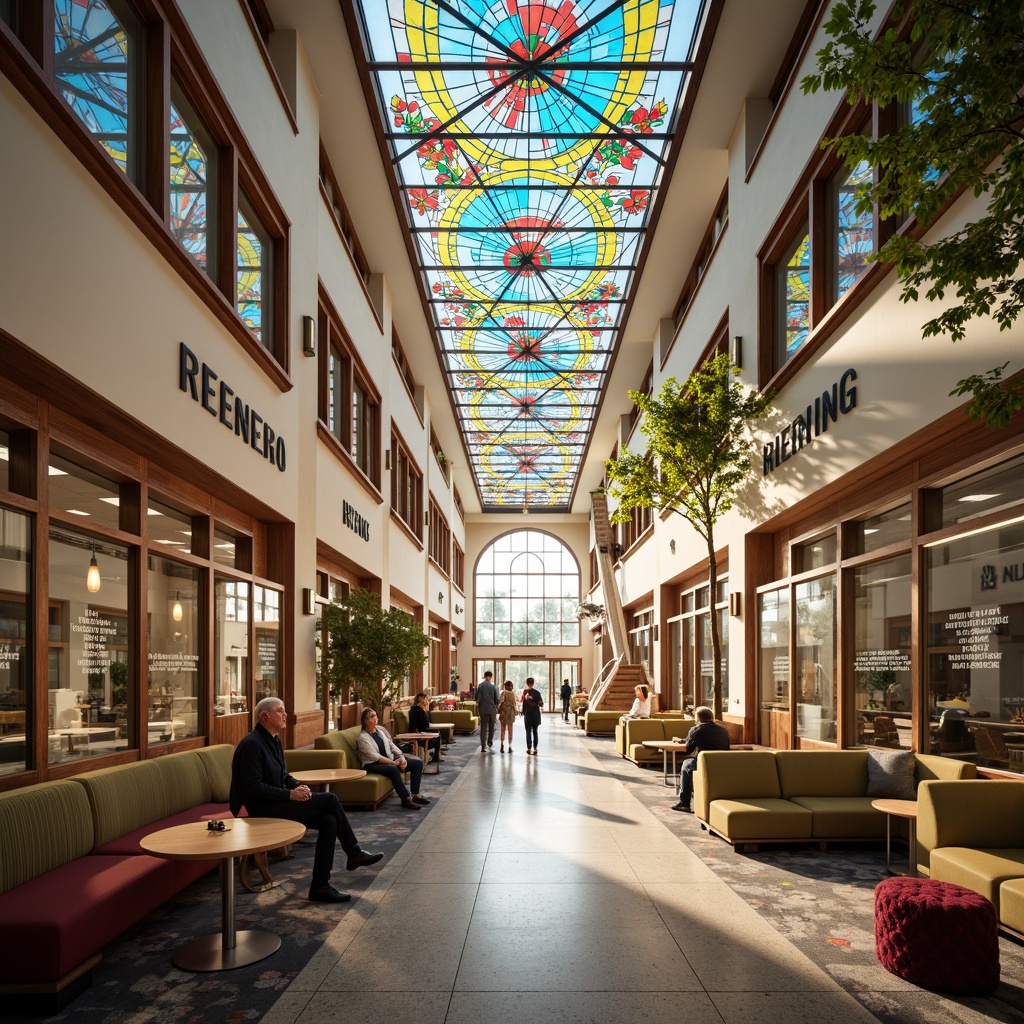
(231, 647)
(16, 688)
(91, 701)
(814, 667)
(881, 654)
(174, 643)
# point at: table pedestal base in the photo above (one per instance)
(208, 953)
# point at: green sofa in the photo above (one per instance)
(971, 833)
(369, 791)
(600, 723)
(466, 723)
(72, 874)
(763, 796)
(630, 736)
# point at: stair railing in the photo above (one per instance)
(601, 684)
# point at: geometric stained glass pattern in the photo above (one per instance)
(528, 141)
(189, 189)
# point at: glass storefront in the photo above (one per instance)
(815, 659)
(975, 647)
(16, 690)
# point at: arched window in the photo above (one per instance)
(527, 589)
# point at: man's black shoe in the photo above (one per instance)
(680, 807)
(328, 894)
(362, 859)
(421, 800)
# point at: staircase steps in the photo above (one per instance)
(620, 693)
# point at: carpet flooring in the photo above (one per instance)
(823, 902)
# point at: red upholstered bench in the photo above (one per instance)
(937, 935)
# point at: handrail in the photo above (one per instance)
(597, 691)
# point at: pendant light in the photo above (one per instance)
(92, 577)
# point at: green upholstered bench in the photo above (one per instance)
(369, 791)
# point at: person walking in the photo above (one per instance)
(487, 708)
(507, 711)
(566, 695)
(532, 702)
(707, 734)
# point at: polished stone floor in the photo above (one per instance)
(539, 889)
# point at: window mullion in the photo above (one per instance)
(156, 119)
(226, 275)
(818, 230)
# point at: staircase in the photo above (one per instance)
(619, 693)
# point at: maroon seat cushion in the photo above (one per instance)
(937, 935)
(63, 917)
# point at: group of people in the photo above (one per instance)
(502, 708)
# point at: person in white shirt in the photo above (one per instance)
(379, 754)
(641, 705)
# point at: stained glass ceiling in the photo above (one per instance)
(527, 140)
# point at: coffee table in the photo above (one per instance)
(416, 738)
(195, 841)
(323, 777)
(666, 747)
(899, 809)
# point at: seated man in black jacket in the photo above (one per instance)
(260, 783)
(419, 721)
(707, 734)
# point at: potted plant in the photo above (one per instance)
(366, 651)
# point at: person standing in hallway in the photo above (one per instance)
(379, 754)
(566, 695)
(487, 708)
(261, 784)
(707, 734)
(507, 711)
(532, 703)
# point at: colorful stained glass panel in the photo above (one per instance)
(527, 140)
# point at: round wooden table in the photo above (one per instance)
(416, 738)
(195, 841)
(666, 747)
(899, 809)
(323, 777)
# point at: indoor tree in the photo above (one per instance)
(956, 69)
(699, 445)
(366, 651)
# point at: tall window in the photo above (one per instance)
(255, 274)
(793, 298)
(96, 58)
(406, 487)
(527, 591)
(193, 167)
(440, 540)
(853, 232)
(691, 651)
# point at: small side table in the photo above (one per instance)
(906, 809)
(416, 738)
(666, 747)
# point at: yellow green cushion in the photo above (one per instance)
(984, 871)
(129, 796)
(1011, 904)
(217, 761)
(749, 820)
(41, 828)
(843, 817)
(822, 772)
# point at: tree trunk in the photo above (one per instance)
(716, 638)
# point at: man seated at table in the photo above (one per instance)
(379, 754)
(707, 734)
(261, 783)
(419, 721)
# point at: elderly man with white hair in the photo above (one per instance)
(261, 783)
(707, 734)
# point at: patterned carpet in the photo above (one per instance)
(823, 902)
(136, 981)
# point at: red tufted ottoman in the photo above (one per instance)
(937, 935)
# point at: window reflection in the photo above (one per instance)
(15, 640)
(173, 696)
(90, 654)
(815, 661)
(231, 647)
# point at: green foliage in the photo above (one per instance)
(366, 651)
(698, 447)
(699, 450)
(961, 66)
(119, 683)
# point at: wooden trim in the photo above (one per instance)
(261, 47)
(335, 447)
